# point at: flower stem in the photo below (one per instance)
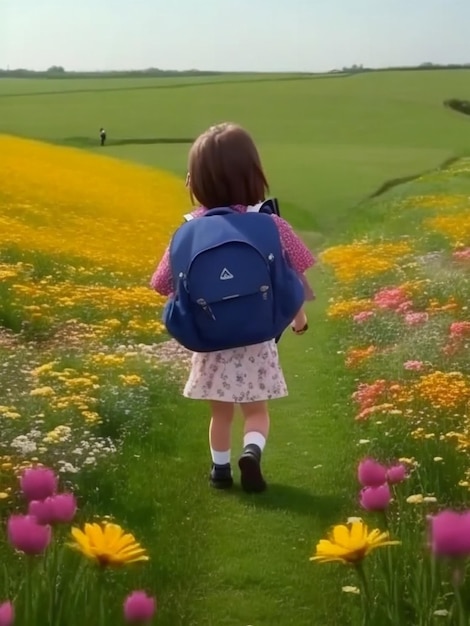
(394, 604)
(434, 588)
(53, 578)
(28, 600)
(392, 586)
(102, 611)
(102, 594)
(461, 619)
(365, 596)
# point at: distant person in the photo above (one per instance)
(102, 136)
(225, 171)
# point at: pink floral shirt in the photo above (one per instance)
(299, 255)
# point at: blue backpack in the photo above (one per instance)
(233, 286)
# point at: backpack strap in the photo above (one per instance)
(270, 206)
(219, 211)
(255, 208)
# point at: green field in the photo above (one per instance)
(327, 143)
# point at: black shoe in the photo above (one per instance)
(250, 467)
(221, 476)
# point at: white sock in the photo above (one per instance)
(257, 438)
(220, 458)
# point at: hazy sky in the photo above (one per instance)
(265, 35)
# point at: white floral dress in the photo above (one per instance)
(248, 374)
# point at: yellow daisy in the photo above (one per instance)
(350, 543)
(108, 544)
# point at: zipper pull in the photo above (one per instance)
(205, 307)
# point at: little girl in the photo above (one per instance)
(225, 171)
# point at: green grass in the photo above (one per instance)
(227, 559)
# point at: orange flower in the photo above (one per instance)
(355, 356)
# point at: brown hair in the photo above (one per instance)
(225, 168)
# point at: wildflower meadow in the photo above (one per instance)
(79, 350)
(400, 313)
(106, 516)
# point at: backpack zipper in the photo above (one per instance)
(206, 308)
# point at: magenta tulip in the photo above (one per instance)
(64, 507)
(38, 483)
(41, 510)
(27, 535)
(139, 608)
(371, 473)
(450, 533)
(7, 614)
(396, 474)
(59, 509)
(376, 498)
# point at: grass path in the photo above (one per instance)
(260, 546)
(228, 559)
(231, 559)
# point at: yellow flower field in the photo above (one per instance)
(455, 227)
(364, 258)
(79, 230)
(437, 201)
(64, 201)
(80, 236)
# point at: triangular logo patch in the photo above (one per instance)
(225, 274)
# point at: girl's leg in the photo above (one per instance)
(256, 432)
(220, 436)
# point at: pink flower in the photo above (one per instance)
(363, 316)
(459, 329)
(370, 473)
(59, 509)
(405, 306)
(7, 614)
(413, 366)
(139, 608)
(396, 474)
(368, 394)
(416, 319)
(26, 535)
(41, 511)
(64, 507)
(37, 483)
(376, 498)
(450, 533)
(390, 298)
